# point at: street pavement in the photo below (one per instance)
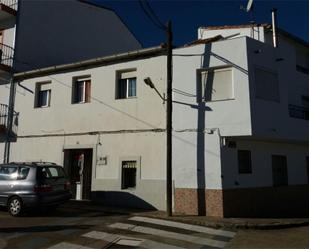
(79, 229)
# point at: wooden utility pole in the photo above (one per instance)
(169, 109)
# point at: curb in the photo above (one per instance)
(234, 226)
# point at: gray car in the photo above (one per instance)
(25, 185)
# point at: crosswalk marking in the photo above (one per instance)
(66, 245)
(128, 241)
(171, 235)
(199, 229)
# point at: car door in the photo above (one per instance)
(8, 177)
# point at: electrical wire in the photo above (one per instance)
(149, 12)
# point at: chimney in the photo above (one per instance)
(274, 26)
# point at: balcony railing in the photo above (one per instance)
(4, 111)
(299, 112)
(10, 3)
(6, 56)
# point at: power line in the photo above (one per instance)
(149, 12)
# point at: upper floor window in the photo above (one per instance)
(81, 90)
(217, 84)
(126, 84)
(244, 162)
(266, 85)
(43, 94)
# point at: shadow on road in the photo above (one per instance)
(37, 229)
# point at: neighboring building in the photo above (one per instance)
(240, 120)
(241, 136)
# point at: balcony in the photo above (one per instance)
(299, 112)
(8, 12)
(4, 110)
(6, 58)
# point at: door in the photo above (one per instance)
(78, 167)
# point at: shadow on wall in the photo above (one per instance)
(120, 199)
(267, 202)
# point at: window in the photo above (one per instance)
(266, 85)
(81, 90)
(128, 178)
(23, 173)
(8, 173)
(126, 84)
(50, 172)
(217, 84)
(244, 162)
(43, 94)
(279, 170)
(305, 101)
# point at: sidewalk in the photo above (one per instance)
(225, 223)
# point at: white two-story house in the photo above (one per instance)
(43, 33)
(241, 129)
(240, 124)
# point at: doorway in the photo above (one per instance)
(78, 166)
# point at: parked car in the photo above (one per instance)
(26, 185)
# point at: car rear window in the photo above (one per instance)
(51, 172)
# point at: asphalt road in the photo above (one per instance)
(73, 228)
(78, 228)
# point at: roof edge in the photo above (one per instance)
(153, 51)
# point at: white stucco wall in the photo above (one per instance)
(261, 152)
(271, 119)
(195, 153)
(254, 32)
(127, 127)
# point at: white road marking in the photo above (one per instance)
(128, 241)
(171, 235)
(199, 229)
(65, 245)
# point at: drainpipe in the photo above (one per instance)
(274, 27)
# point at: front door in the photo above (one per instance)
(78, 166)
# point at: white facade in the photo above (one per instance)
(234, 95)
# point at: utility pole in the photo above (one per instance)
(169, 109)
(10, 117)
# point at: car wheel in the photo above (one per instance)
(15, 206)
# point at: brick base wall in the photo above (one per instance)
(285, 201)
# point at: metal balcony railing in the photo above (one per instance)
(6, 55)
(10, 3)
(4, 111)
(299, 112)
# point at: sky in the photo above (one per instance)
(187, 16)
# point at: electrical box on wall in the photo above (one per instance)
(102, 160)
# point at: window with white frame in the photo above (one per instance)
(43, 94)
(81, 90)
(126, 84)
(266, 85)
(217, 84)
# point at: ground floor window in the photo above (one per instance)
(279, 170)
(244, 162)
(128, 174)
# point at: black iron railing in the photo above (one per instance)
(10, 3)
(6, 55)
(299, 112)
(4, 111)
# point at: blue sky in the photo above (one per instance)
(187, 16)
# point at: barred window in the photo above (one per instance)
(128, 178)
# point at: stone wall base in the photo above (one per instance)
(285, 201)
